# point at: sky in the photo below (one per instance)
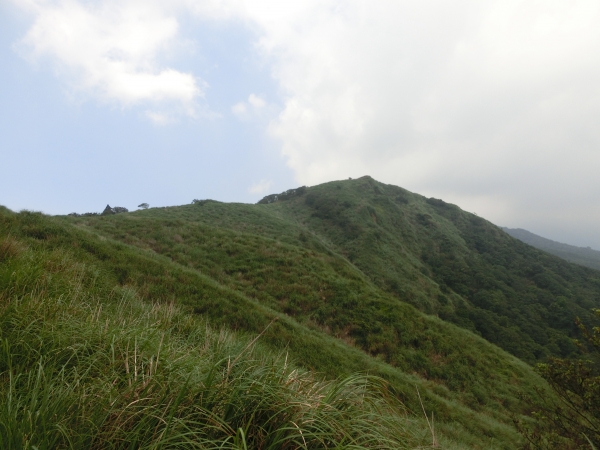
(493, 106)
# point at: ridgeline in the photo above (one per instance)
(584, 256)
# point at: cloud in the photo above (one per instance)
(111, 50)
(240, 109)
(261, 187)
(492, 105)
(256, 101)
(253, 107)
(158, 118)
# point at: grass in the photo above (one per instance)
(306, 323)
(227, 265)
(430, 254)
(88, 364)
(323, 292)
(476, 415)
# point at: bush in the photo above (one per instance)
(573, 421)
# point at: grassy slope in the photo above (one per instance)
(86, 363)
(421, 251)
(451, 263)
(298, 274)
(579, 255)
(477, 419)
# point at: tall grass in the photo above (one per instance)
(87, 364)
(479, 415)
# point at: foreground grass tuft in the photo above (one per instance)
(87, 364)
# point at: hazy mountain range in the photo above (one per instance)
(584, 256)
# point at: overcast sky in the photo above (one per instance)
(491, 105)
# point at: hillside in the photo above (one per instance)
(584, 256)
(451, 263)
(346, 277)
(78, 291)
(364, 239)
(86, 362)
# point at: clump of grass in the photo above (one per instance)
(9, 248)
(86, 364)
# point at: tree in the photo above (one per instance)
(144, 206)
(573, 420)
(116, 210)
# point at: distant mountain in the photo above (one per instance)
(584, 256)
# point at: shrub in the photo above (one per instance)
(574, 420)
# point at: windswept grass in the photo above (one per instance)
(476, 413)
(87, 364)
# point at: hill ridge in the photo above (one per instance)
(584, 256)
(361, 274)
(422, 251)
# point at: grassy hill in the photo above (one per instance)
(86, 362)
(451, 263)
(87, 320)
(343, 278)
(583, 256)
(362, 239)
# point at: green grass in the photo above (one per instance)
(326, 273)
(86, 363)
(324, 293)
(476, 413)
(434, 256)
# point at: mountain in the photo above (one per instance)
(324, 254)
(584, 256)
(345, 277)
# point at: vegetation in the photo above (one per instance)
(116, 210)
(320, 290)
(290, 193)
(338, 279)
(451, 263)
(420, 251)
(584, 256)
(86, 364)
(571, 419)
(477, 419)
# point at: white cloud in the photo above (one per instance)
(111, 50)
(158, 118)
(261, 187)
(256, 101)
(253, 107)
(240, 109)
(484, 103)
